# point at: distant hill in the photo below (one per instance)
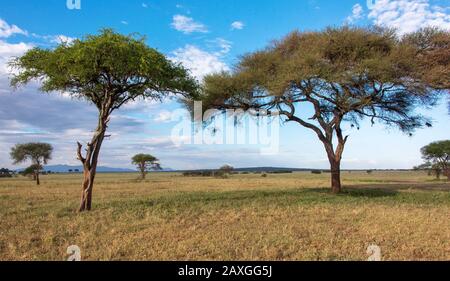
(256, 169)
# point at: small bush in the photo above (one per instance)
(316, 172)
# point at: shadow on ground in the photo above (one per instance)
(408, 193)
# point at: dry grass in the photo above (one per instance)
(281, 217)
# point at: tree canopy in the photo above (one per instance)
(145, 163)
(38, 153)
(438, 155)
(108, 69)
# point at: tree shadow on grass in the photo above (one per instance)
(359, 191)
(354, 194)
(419, 186)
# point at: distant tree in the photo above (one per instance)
(32, 171)
(223, 172)
(108, 70)
(227, 169)
(145, 163)
(38, 153)
(438, 155)
(432, 169)
(344, 75)
(70, 170)
(5, 173)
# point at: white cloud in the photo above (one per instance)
(8, 51)
(187, 25)
(223, 45)
(58, 39)
(198, 61)
(7, 30)
(124, 22)
(357, 13)
(144, 5)
(408, 15)
(237, 25)
(163, 117)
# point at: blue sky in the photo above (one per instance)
(205, 36)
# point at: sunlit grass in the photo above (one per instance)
(281, 217)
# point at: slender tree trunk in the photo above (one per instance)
(143, 174)
(37, 179)
(90, 163)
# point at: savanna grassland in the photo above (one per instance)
(244, 217)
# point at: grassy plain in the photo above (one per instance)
(245, 217)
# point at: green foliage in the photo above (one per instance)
(346, 74)
(144, 158)
(108, 69)
(31, 170)
(437, 155)
(6, 173)
(145, 163)
(437, 151)
(433, 55)
(38, 153)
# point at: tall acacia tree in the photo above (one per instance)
(37, 153)
(108, 70)
(145, 162)
(339, 74)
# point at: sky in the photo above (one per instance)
(206, 37)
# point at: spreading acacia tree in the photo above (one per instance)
(320, 80)
(146, 163)
(108, 70)
(438, 155)
(38, 153)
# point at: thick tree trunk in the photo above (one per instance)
(336, 177)
(334, 157)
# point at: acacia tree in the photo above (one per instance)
(145, 163)
(339, 74)
(438, 154)
(108, 70)
(37, 153)
(226, 169)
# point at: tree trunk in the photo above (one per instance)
(334, 157)
(90, 164)
(37, 179)
(336, 177)
(142, 168)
